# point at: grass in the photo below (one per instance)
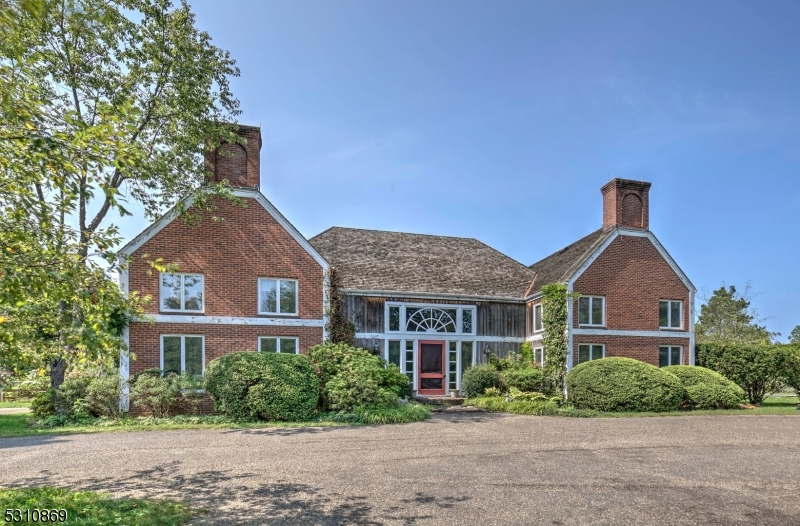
(780, 404)
(4, 405)
(93, 509)
(21, 424)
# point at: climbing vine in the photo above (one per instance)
(554, 317)
(339, 328)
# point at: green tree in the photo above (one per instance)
(728, 317)
(103, 102)
(794, 336)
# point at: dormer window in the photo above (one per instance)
(181, 292)
(277, 296)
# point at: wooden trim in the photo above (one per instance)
(421, 375)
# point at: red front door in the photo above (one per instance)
(431, 368)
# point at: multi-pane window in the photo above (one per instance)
(428, 318)
(408, 359)
(670, 314)
(590, 351)
(182, 354)
(394, 352)
(538, 355)
(452, 365)
(282, 344)
(591, 310)
(537, 318)
(277, 296)
(670, 355)
(181, 292)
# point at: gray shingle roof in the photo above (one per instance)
(394, 261)
(562, 264)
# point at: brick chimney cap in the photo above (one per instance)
(625, 183)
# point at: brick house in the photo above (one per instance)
(433, 305)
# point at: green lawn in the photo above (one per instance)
(14, 404)
(20, 424)
(89, 508)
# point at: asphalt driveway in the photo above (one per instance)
(454, 469)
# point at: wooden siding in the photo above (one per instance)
(493, 318)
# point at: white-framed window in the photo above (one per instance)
(285, 344)
(183, 353)
(180, 292)
(277, 296)
(430, 318)
(590, 351)
(670, 355)
(592, 310)
(670, 314)
(538, 356)
(538, 323)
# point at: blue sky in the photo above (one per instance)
(502, 120)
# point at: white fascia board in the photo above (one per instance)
(231, 320)
(429, 295)
(173, 213)
(535, 338)
(647, 334)
(591, 259)
(436, 336)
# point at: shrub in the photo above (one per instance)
(758, 369)
(706, 389)
(102, 396)
(623, 384)
(478, 378)
(192, 392)
(529, 378)
(353, 378)
(266, 386)
(43, 404)
(156, 394)
(791, 367)
(67, 402)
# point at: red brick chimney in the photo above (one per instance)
(626, 203)
(240, 164)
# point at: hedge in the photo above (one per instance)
(623, 384)
(706, 389)
(529, 378)
(265, 386)
(478, 378)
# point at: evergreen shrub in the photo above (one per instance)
(263, 386)
(623, 384)
(529, 378)
(706, 389)
(352, 378)
(478, 378)
(157, 395)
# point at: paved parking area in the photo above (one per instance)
(471, 469)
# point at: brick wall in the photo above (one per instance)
(633, 277)
(231, 255)
(639, 348)
(145, 340)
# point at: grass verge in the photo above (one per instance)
(775, 405)
(91, 508)
(24, 425)
(4, 405)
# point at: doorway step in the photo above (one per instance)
(439, 399)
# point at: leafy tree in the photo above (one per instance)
(103, 102)
(728, 317)
(794, 336)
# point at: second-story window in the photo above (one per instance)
(277, 296)
(181, 292)
(670, 314)
(591, 310)
(537, 318)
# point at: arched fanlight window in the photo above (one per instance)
(430, 320)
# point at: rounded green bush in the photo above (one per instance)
(706, 389)
(623, 384)
(526, 379)
(478, 378)
(265, 386)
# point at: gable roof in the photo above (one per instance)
(174, 212)
(375, 260)
(561, 265)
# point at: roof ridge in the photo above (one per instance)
(564, 249)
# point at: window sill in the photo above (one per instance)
(192, 312)
(273, 314)
(585, 326)
(671, 329)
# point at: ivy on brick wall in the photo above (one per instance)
(338, 327)
(554, 318)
